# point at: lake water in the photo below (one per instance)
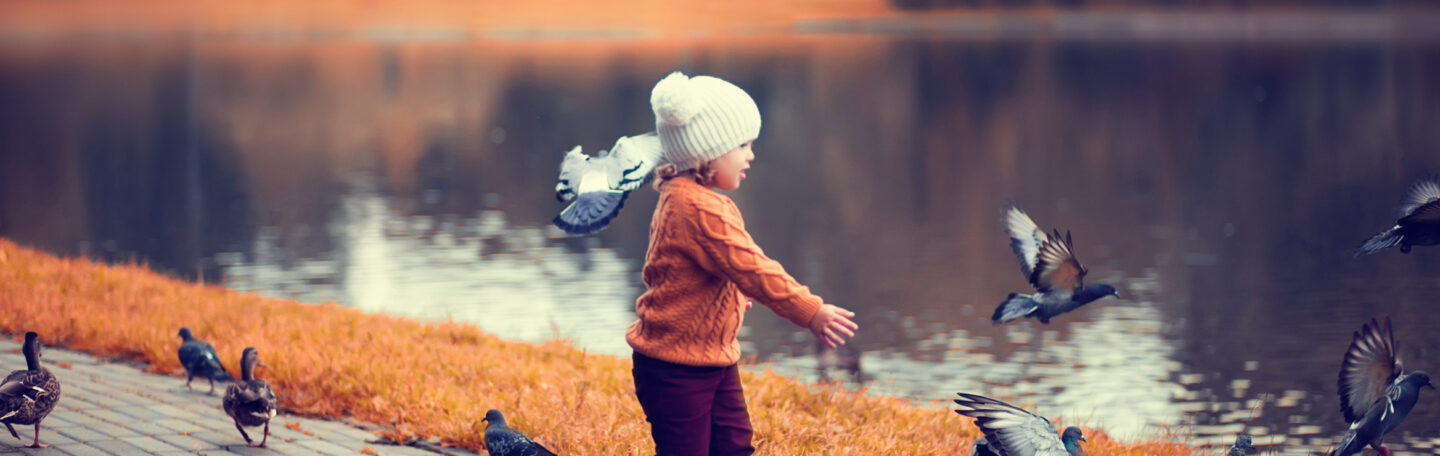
(1220, 184)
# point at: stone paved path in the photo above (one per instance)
(116, 409)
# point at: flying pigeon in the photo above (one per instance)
(1375, 393)
(1050, 265)
(1242, 445)
(1419, 222)
(200, 360)
(503, 440)
(596, 187)
(1012, 431)
(982, 448)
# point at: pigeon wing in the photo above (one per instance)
(190, 355)
(634, 158)
(502, 440)
(1425, 213)
(1370, 367)
(571, 169)
(1025, 238)
(1424, 193)
(1057, 268)
(218, 370)
(591, 212)
(1012, 430)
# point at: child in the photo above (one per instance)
(700, 268)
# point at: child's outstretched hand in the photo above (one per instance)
(832, 325)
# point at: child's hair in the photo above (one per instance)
(703, 174)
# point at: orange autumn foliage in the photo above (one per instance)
(437, 379)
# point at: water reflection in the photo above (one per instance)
(521, 282)
(1221, 186)
(1117, 358)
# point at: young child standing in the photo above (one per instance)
(700, 268)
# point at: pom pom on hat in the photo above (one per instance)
(701, 118)
(674, 100)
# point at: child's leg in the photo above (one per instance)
(730, 430)
(676, 399)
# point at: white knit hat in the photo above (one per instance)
(701, 118)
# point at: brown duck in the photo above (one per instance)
(27, 396)
(249, 401)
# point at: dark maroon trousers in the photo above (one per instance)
(693, 410)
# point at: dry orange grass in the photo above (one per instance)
(438, 379)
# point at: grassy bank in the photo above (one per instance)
(438, 379)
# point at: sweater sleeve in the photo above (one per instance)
(730, 252)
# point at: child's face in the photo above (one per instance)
(730, 168)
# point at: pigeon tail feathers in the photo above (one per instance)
(222, 375)
(590, 212)
(218, 372)
(1387, 239)
(1349, 445)
(1014, 307)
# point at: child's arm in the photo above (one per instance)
(727, 250)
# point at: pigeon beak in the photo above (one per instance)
(1082, 439)
(1431, 385)
(1116, 294)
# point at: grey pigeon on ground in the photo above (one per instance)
(27, 396)
(250, 401)
(503, 440)
(1012, 431)
(200, 360)
(1419, 222)
(1049, 263)
(1242, 446)
(1375, 392)
(596, 187)
(982, 448)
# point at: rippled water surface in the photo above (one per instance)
(1220, 185)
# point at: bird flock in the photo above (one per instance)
(1376, 392)
(27, 396)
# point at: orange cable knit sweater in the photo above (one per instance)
(699, 263)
